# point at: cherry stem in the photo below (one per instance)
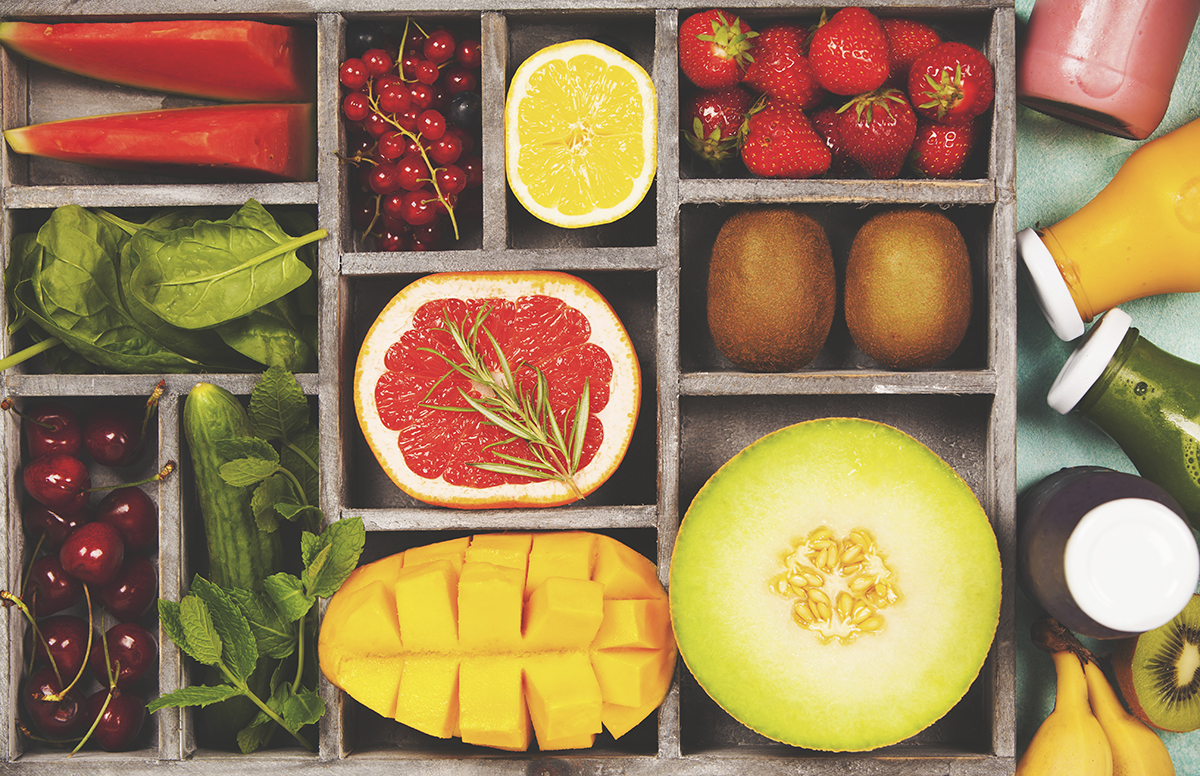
(58, 696)
(163, 473)
(7, 404)
(95, 723)
(152, 406)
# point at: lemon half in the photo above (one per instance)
(580, 134)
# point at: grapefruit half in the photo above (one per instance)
(438, 351)
(835, 586)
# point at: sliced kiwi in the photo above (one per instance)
(1159, 672)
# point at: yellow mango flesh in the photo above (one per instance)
(501, 638)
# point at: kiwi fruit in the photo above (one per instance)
(772, 289)
(908, 288)
(1159, 672)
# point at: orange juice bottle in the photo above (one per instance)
(1138, 237)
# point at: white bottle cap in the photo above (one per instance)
(1049, 287)
(1087, 363)
(1132, 564)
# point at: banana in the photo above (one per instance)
(1136, 749)
(1070, 740)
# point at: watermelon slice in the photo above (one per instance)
(253, 141)
(237, 61)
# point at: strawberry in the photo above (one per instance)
(778, 141)
(715, 48)
(825, 122)
(849, 53)
(780, 67)
(906, 39)
(941, 149)
(877, 130)
(951, 83)
(712, 122)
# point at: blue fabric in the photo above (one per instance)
(1060, 167)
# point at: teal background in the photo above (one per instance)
(1060, 167)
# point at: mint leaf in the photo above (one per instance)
(303, 708)
(256, 735)
(172, 624)
(343, 542)
(270, 492)
(310, 545)
(240, 650)
(246, 447)
(278, 408)
(246, 471)
(287, 592)
(301, 456)
(293, 512)
(200, 637)
(273, 635)
(200, 695)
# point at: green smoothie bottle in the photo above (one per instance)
(1146, 399)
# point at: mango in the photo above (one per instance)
(504, 639)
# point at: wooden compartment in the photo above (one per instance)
(697, 409)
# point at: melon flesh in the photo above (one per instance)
(233, 60)
(480, 638)
(264, 141)
(737, 632)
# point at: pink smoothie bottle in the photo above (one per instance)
(1108, 65)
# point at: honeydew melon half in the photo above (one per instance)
(888, 656)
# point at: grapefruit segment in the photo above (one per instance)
(452, 347)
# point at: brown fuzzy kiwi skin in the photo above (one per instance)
(908, 294)
(772, 289)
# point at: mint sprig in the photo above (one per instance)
(232, 628)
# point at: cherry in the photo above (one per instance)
(64, 637)
(56, 719)
(131, 653)
(93, 553)
(58, 481)
(51, 427)
(120, 722)
(113, 436)
(133, 513)
(39, 520)
(53, 589)
(131, 593)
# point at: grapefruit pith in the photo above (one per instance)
(458, 378)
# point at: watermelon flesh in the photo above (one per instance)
(242, 142)
(235, 61)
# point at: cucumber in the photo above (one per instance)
(239, 555)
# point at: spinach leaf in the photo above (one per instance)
(216, 271)
(272, 335)
(70, 289)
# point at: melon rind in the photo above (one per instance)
(618, 417)
(738, 637)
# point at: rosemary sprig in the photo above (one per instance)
(525, 414)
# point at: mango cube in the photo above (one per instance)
(492, 708)
(641, 623)
(509, 550)
(428, 699)
(453, 550)
(563, 613)
(569, 554)
(489, 607)
(564, 698)
(426, 606)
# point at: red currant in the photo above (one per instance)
(408, 66)
(442, 207)
(390, 241)
(418, 207)
(439, 46)
(472, 166)
(422, 95)
(446, 149)
(353, 74)
(385, 178)
(468, 54)
(356, 106)
(427, 71)
(392, 145)
(415, 40)
(377, 61)
(464, 137)
(431, 124)
(450, 179)
(376, 125)
(412, 172)
(394, 96)
(427, 234)
(459, 79)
